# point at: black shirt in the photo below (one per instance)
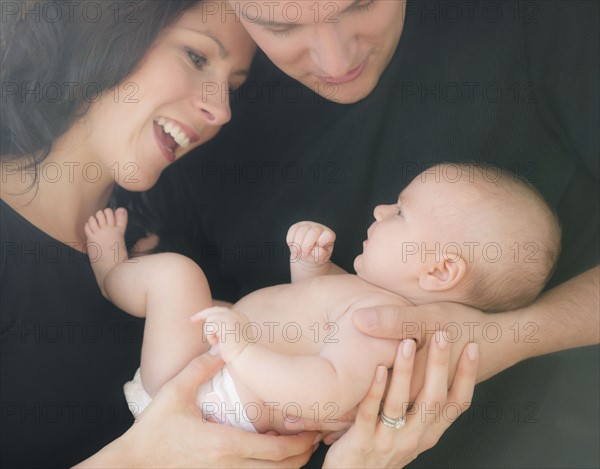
(66, 352)
(513, 84)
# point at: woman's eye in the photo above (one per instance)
(198, 60)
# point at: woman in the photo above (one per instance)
(92, 102)
(110, 94)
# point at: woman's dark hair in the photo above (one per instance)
(58, 56)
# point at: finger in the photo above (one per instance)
(460, 394)
(205, 313)
(308, 424)
(199, 370)
(367, 416)
(386, 321)
(326, 239)
(332, 437)
(310, 240)
(435, 390)
(398, 394)
(291, 234)
(300, 234)
(275, 448)
(417, 379)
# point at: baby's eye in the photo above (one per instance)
(399, 212)
(198, 60)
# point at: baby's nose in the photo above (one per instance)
(379, 212)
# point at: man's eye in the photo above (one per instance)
(365, 6)
(282, 30)
(198, 60)
(279, 32)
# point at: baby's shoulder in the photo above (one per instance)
(347, 293)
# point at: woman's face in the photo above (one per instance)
(339, 49)
(176, 100)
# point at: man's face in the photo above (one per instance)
(339, 49)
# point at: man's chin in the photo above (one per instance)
(348, 93)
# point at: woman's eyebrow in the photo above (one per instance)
(223, 51)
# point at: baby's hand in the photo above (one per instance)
(310, 243)
(224, 330)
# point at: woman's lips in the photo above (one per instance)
(348, 77)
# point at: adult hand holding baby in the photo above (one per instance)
(463, 324)
(505, 338)
(369, 442)
(172, 433)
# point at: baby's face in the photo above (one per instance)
(404, 235)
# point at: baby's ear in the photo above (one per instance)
(444, 275)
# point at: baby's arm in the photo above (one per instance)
(311, 246)
(328, 384)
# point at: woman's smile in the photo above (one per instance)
(172, 136)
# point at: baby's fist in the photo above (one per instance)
(223, 328)
(310, 242)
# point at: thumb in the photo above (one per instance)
(386, 321)
(198, 371)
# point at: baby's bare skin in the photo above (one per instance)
(305, 318)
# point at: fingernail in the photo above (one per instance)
(317, 439)
(472, 351)
(440, 340)
(367, 318)
(380, 373)
(408, 347)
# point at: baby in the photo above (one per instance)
(463, 233)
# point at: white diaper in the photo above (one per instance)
(218, 399)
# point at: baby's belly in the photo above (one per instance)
(285, 318)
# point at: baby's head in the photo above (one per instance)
(467, 233)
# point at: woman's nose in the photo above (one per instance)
(214, 106)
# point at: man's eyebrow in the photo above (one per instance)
(223, 52)
(282, 24)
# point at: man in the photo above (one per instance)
(372, 92)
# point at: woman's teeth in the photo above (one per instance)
(175, 131)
